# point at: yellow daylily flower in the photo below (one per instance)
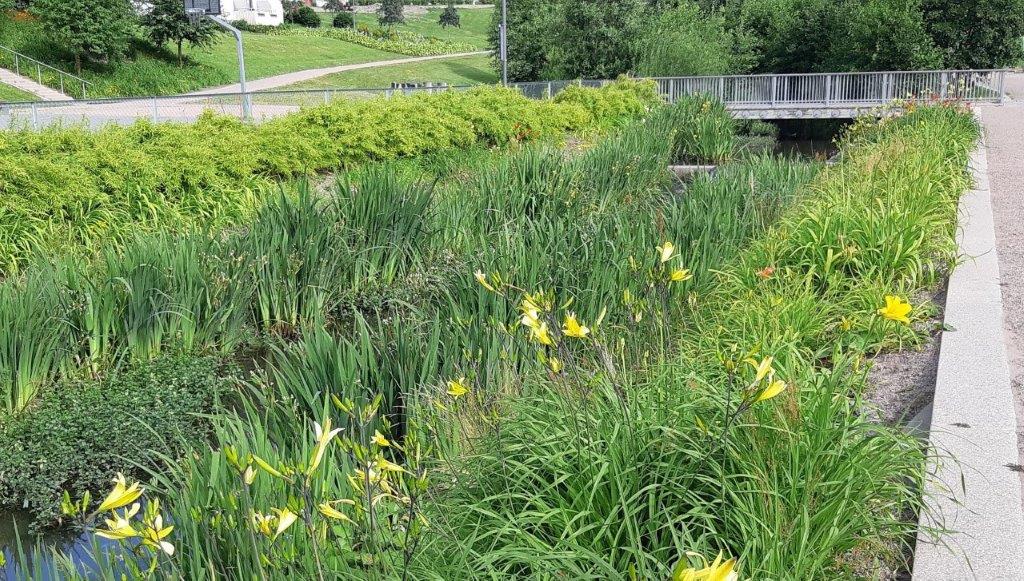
(120, 533)
(718, 571)
(764, 367)
(572, 328)
(896, 309)
(155, 535)
(263, 523)
(249, 476)
(285, 518)
(680, 275)
(329, 511)
(774, 388)
(324, 435)
(457, 387)
(555, 364)
(379, 439)
(666, 251)
(121, 495)
(384, 465)
(482, 279)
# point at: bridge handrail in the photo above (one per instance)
(39, 66)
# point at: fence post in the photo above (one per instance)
(39, 74)
(156, 113)
(35, 117)
(1002, 85)
(17, 64)
(550, 90)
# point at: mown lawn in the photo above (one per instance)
(475, 23)
(9, 94)
(471, 70)
(151, 71)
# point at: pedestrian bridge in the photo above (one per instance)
(819, 95)
(787, 96)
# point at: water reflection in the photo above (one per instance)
(38, 550)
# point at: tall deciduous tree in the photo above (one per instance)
(166, 22)
(390, 12)
(978, 33)
(530, 31)
(99, 30)
(596, 38)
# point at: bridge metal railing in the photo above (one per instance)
(44, 74)
(740, 92)
(818, 89)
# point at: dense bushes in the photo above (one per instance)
(344, 20)
(602, 39)
(70, 188)
(81, 431)
(396, 41)
(304, 16)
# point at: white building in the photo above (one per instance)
(260, 12)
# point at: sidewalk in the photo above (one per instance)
(29, 86)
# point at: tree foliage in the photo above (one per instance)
(530, 24)
(596, 38)
(96, 30)
(167, 22)
(687, 41)
(449, 17)
(976, 34)
(391, 12)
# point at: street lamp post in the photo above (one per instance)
(246, 100)
(503, 33)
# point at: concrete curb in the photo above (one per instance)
(974, 491)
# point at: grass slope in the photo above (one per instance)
(9, 94)
(472, 70)
(474, 25)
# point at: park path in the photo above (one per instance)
(1004, 138)
(287, 79)
(29, 86)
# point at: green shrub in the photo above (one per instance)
(306, 16)
(79, 433)
(344, 20)
(449, 17)
(211, 173)
(390, 40)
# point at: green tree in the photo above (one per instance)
(530, 24)
(789, 36)
(391, 13)
(97, 30)
(449, 17)
(166, 22)
(688, 41)
(976, 34)
(884, 35)
(596, 38)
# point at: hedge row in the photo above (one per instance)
(69, 188)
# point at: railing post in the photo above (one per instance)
(35, 117)
(17, 64)
(39, 74)
(775, 86)
(943, 80)
(1002, 85)
(828, 90)
(721, 89)
(550, 90)
(62, 84)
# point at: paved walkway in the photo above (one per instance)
(29, 86)
(1004, 134)
(288, 79)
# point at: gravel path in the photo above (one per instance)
(1004, 135)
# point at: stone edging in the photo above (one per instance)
(974, 490)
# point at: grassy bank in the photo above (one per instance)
(215, 172)
(472, 70)
(9, 94)
(545, 365)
